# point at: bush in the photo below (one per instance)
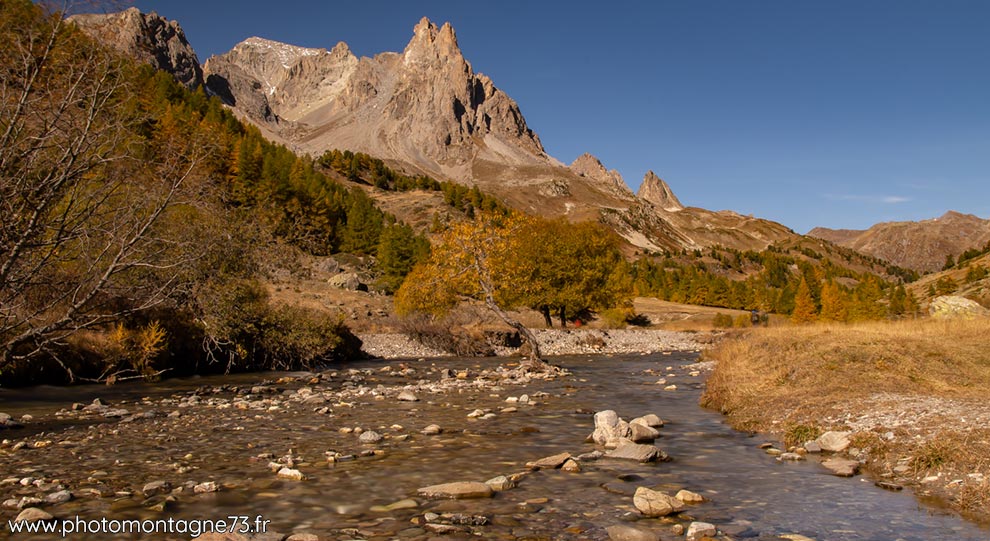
(722, 321)
(616, 318)
(742, 321)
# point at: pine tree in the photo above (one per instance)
(804, 304)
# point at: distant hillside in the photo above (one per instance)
(922, 246)
(969, 278)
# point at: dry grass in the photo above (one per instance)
(912, 392)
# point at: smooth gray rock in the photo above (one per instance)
(637, 452)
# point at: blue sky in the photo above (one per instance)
(840, 114)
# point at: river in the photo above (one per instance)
(750, 493)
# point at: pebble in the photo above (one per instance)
(289, 473)
(370, 437)
(432, 430)
(61, 496)
(407, 396)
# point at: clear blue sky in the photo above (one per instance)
(839, 113)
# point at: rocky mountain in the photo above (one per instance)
(656, 191)
(424, 107)
(146, 37)
(922, 245)
(426, 111)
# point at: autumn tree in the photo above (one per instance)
(804, 304)
(82, 190)
(833, 303)
(469, 260)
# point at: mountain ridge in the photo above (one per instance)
(919, 245)
(426, 111)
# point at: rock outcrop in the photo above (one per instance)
(425, 106)
(591, 167)
(656, 191)
(146, 37)
(953, 307)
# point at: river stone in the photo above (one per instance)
(407, 396)
(432, 430)
(457, 491)
(205, 488)
(699, 530)
(795, 537)
(156, 487)
(651, 420)
(609, 428)
(33, 514)
(687, 496)
(500, 483)
(812, 447)
(637, 452)
(833, 441)
(621, 532)
(303, 537)
(370, 437)
(653, 503)
(640, 433)
(571, 466)
(550, 462)
(61, 496)
(289, 473)
(842, 467)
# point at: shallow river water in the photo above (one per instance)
(751, 494)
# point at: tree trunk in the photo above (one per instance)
(563, 318)
(545, 310)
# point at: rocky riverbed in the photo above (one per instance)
(613, 448)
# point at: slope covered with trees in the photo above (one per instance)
(131, 203)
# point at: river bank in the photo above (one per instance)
(556, 342)
(909, 398)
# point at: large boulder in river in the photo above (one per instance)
(609, 429)
(953, 307)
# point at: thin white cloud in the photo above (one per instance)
(884, 199)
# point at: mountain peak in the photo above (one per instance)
(656, 191)
(429, 43)
(145, 37)
(588, 166)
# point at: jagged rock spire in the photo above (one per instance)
(656, 191)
